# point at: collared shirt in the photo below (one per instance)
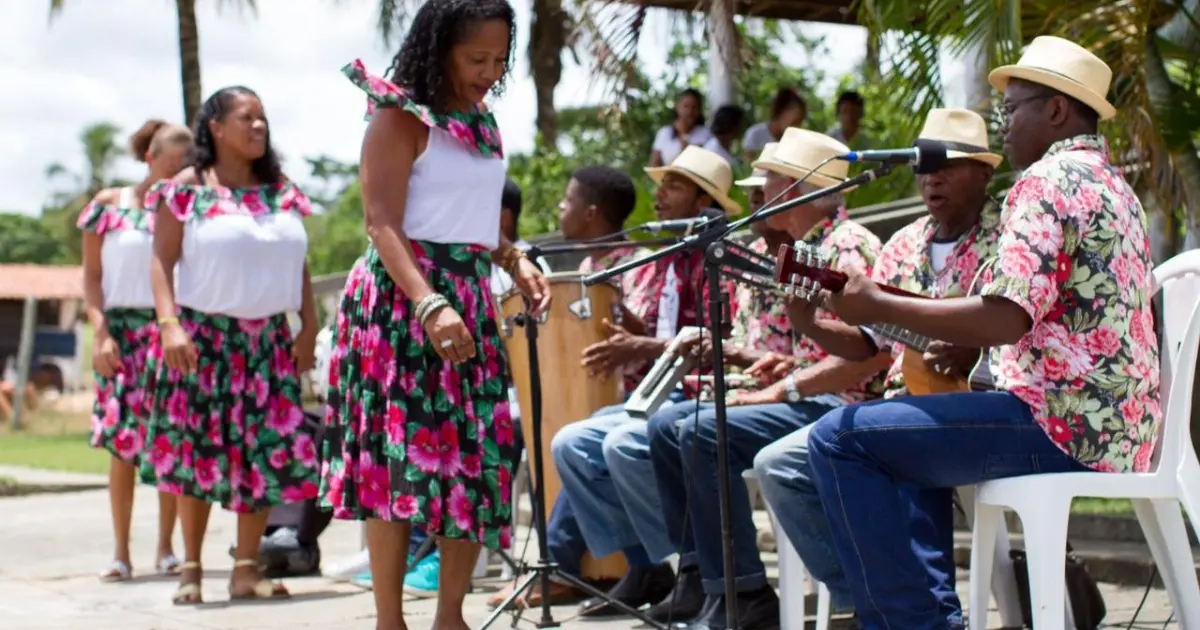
(905, 263)
(761, 322)
(1074, 253)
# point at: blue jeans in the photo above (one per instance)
(684, 452)
(862, 456)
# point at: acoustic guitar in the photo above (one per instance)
(803, 271)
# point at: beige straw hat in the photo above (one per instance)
(758, 178)
(800, 151)
(1064, 66)
(708, 170)
(963, 132)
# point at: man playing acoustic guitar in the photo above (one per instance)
(938, 255)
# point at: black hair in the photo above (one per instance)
(609, 189)
(728, 119)
(510, 199)
(850, 96)
(420, 65)
(694, 93)
(785, 98)
(266, 168)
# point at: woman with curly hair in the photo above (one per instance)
(117, 247)
(226, 420)
(419, 428)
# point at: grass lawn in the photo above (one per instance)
(53, 441)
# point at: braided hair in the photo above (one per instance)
(421, 66)
(266, 168)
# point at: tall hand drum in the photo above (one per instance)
(574, 322)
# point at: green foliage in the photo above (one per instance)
(101, 152)
(337, 237)
(25, 239)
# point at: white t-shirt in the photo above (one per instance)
(669, 146)
(125, 257)
(714, 145)
(757, 137)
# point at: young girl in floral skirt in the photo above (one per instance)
(420, 431)
(226, 425)
(117, 248)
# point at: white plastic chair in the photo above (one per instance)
(1043, 502)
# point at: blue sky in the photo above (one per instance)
(116, 60)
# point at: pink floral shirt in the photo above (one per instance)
(847, 246)
(1075, 255)
(631, 292)
(761, 322)
(904, 263)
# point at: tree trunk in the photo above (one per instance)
(547, 38)
(871, 63)
(723, 61)
(1184, 158)
(1181, 30)
(189, 59)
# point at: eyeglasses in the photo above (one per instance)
(1006, 110)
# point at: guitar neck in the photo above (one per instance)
(903, 337)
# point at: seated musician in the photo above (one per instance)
(1066, 320)
(682, 437)
(937, 255)
(596, 203)
(696, 180)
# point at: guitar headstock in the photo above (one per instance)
(803, 268)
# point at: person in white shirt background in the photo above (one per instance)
(726, 126)
(788, 109)
(686, 128)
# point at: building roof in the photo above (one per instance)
(829, 11)
(44, 282)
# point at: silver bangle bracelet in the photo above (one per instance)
(429, 305)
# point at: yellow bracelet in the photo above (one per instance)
(163, 321)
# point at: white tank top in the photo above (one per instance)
(454, 194)
(125, 257)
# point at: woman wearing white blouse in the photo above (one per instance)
(687, 128)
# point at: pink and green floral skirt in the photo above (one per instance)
(411, 437)
(231, 433)
(122, 403)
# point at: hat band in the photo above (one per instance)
(962, 147)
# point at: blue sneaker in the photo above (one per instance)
(363, 580)
(422, 580)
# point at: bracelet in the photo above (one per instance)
(512, 260)
(429, 305)
(163, 321)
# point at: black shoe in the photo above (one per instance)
(756, 610)
(640, 586)
(684, 603)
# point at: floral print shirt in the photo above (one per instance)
(761, 322)
(1074, 253)
(905, 264)
(846, 246)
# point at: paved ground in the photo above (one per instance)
(52, 546)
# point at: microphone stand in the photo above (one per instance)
(711, 242)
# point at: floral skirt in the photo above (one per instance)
(122, 403)
(232, 432)
(411, 437)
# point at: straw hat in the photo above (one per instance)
(1064, 66)
(758, 178)
(707, 170)
(800, 151)
(963, 132)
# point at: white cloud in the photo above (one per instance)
(117, 61)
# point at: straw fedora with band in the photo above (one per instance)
(800, 151)
(707, 170)
(1064, 66)
(963, 132)
(758, 178)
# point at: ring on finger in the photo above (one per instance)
(447, 343)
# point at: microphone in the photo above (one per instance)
(925, 156)
(705, 220)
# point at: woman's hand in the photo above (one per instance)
(449, 335)
(106, 358)
(533, 285)
(304, 350)
(178, 350)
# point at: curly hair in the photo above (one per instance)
(610, 189)
(421, 65)
(266, 168)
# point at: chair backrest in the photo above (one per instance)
(1179, 281)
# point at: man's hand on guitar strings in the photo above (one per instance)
(951, 360)
(858, 303)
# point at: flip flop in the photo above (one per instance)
(168, 565)
(190, 593)
(117, 571)
(262, 589)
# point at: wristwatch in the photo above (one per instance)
(792, 395)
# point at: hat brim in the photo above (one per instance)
(731, 207)
(991, 159)
(809, 176)
(1000, 77)
(751, 182)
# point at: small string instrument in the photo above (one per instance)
(804, 271)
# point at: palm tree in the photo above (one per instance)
(189, 47)
(1153, 84)
(101, 152)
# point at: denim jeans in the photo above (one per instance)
(862, 458)
(684, 452)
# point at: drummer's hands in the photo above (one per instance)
(449, 335)
(533, 285)
(620, 349)
(698, 345)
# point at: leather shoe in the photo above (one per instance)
(638, 587)
(684, 603)
(756, 610)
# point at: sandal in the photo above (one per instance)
(263, 589)
(190, 592)
(168, 565)
(117, 571)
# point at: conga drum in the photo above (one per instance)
(574, 322)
